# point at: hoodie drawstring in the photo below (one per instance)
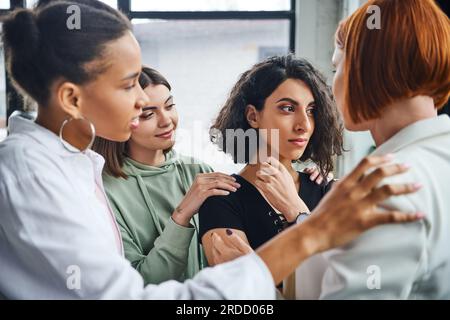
(148, 202)
(186, 187)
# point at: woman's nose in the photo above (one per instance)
(303, 123)
(142, 99)
(141, 103)
(164, 119)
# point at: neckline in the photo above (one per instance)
(301, 176)
(261, 197)
(170, 158)
(414, 132)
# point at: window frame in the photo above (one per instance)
(290, 15)
(15, 102)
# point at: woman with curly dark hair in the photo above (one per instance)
(283, 108)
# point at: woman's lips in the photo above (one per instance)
(165, 135)
(299, 142)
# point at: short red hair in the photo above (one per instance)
(409, 56)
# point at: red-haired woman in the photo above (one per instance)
(392, 81)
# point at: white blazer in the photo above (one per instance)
(402, 261)
(57, 240)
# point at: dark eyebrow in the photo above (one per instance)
(131, 76)
(295, 102)
(171, 97)
(288, 100)
(153, 108)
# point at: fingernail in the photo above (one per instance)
(417, 186)
(234, 189)
(237, 185)
(420, 215)
(406, 166)
(229, 232)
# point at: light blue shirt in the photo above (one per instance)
(57, 240)
(398, 261)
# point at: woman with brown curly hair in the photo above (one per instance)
(282, 96)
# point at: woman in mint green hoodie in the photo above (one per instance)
(155, 193)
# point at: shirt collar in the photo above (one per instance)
(415, 132)
(18, 124)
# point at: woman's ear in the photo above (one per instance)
(252, 116)
(69, 98)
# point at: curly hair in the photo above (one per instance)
(257, 84)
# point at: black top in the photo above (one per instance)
(248, 211)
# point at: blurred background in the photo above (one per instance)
(202, 46)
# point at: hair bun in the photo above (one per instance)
(21, 33)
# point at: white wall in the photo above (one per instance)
(317, 21)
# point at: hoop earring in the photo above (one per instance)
(77, 135)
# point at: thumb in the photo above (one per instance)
(274, 162)
(217, 242)
(277, 165)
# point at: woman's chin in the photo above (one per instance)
(171, 143)
(166, 146)
(116, 137)
(294, 155)
(350, 125)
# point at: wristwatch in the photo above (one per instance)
(302, 216)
